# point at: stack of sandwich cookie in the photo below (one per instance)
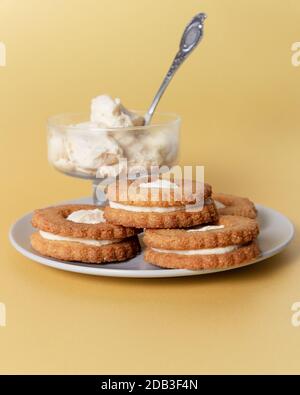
(81, 233)
(229, 243)
(160, 204)
(234, 205)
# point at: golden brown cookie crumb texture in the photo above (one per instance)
(72, 251)
(124, 242)
(202, 262)
(132, 193)
(176, 219)
(54, 220)
(235, 205)
(165, 245)
(191, 203)
(237, 230)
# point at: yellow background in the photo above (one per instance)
(239, 98)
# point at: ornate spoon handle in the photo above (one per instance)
(191, 37)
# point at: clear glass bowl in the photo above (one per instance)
(81, 149)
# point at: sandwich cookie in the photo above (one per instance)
(160, 204)
(80, 233)
(230, 243)
(234, 205)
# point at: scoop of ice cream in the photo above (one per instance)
(107, 112)
(90, 150)
(98, 147)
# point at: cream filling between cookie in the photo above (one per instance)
(91, 242)
(156, 209)
(206, 228)
(165, 184)
(94, 216)
(207, 251)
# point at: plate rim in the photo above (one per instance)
(142, 273)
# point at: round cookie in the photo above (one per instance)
(160, 204)
(80, 233)
(230, 243)
(234, 205)
(73, 251)
(158, 193)
(54, 220)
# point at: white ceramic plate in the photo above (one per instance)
(276, 233)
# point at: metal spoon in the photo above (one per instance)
(191, 37)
